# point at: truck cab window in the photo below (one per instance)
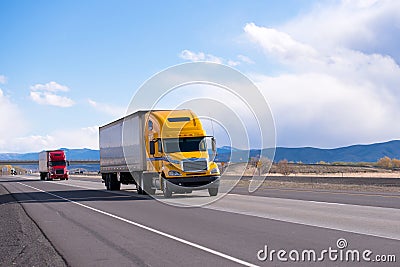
(188, 144)
(58, 163)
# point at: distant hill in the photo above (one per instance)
(72, 154)
(355, 153)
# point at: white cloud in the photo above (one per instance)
(45, 94)
(279, 44)
(245, 59)
(71, 138)
(192, 56)
(45, 98)
(14, 129)
(3, 79)
(201, 56)
(11, 120)
(115, 111)
(368, 26)
(50, 87)
(320, 110)
(341, 81)
(233, 63)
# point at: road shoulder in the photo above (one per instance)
(21, 241)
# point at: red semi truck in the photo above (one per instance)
(53, 165)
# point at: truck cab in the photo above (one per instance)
(179, 150)
(53, 165)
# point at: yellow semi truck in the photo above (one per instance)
(164, 150)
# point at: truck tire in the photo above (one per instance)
(104, 176)
(213, 191)
(151, 191)
(42, 177)
(144, 187)
(166, 191)
(114, 184)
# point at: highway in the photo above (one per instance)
(90, 226)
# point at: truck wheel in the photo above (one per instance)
(114, 183)
(42, 177)
(151, 191)
(104, 176)
(213, 191)
(145, 187)
(108, 182)
(166, 191)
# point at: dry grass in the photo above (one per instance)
(315, 171)
(318, 171)
(323, 186)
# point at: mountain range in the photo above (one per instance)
(72, 154)
(354, 153)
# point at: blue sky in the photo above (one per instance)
(329, 69)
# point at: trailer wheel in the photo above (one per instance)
(114, 184)
(166, 191)
(42, 177)
(144, 187)
(151, 191)
(213, 191)
(104, 176)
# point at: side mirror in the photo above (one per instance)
(214, 144)
(152, 148)
(214, 148)
(68, 163)
(159, 146)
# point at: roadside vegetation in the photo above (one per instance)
(284, 167)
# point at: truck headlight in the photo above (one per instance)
(174, 173)
(214, 171)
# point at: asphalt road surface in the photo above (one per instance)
(88, 226)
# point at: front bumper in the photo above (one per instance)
(59, 176)
(200, 182)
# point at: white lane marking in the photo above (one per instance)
(78, 186)
(296, 220)
(371, 221)
(309, 201)
(100, 188)
(217, 253)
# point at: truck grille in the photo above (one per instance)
(59, 171)
(195, 166)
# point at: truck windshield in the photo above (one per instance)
(58, 163)
(172, 145)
